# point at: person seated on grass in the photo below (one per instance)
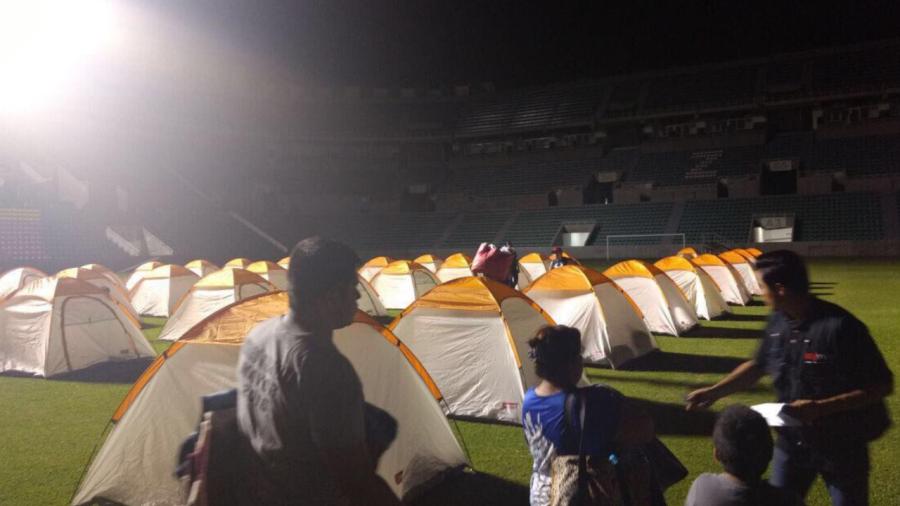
(611, 420)
(742, 443)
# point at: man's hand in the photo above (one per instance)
(804, 410)
(701, 398)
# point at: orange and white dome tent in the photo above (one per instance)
(402, 282)
(430, 262)
(56, 325)
(237, 263)
(139, 272)
(570, 258)
(211, 294)
(368, 301)
(455, 266)
(750, 257)
(731, 289)
(373, 267)
(285, 263)
(160, 290)
(106, 271)
(612, 327)
(134, 464)
(688, 253)
(201, 267)
(531, 267)
(699, 288)
(665, 308)
(471, 335)
(754, 251)
(14, 279)
(744, 269)
(271, 272)
(97, 278)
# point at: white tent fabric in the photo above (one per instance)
(450, 273)
(701, 291)
(99, 279)
(477, 357)
(399, 290)
(529, 272)
(747, 278)
(160, 296)
(648, 296)
(682, 311)
(14, 279)
(202, 301)
(731, 290)
(277, 278)
(53, 325)
(134, 465)
(368, 299)
(612, 331)
(201, 267)
(139, 273)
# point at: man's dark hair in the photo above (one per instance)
(785, 268)
(743, 442)
(318, 265)
(553, 348)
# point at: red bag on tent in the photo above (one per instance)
(493, 262)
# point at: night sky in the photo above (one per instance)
(513, 43)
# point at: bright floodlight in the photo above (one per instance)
(45, 44)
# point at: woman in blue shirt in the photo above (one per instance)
(611, 421)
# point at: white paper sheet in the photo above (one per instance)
(771, 411)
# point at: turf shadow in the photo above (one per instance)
(662, 382)
(666, 361)
(723, 333)
(672, 419)
(732, 317)
(473, 487)
(755, 303)
(814, 284)
(127, 371)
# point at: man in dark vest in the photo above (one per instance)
(829, 373)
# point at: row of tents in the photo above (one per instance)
(456, 349)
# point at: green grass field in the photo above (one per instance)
(48, 428)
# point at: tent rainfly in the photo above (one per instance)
(106, 271)
(373, 267)
(201, 267)
(14, 279)
(368, 301)
(455, 266)
(688, 253)
(749, 257)
(731, 289)
(531, 267)
(472, 336)
(666, 310)
(56, 325)
(612, 327)
(744, 269)
(754, 251)
(239, 263)
(98, 279)
(285, 263)
(160, 290)
(139, 272)
(430, 262)
(699, 288)
(211, 294)
(134, 464)
(402, 282)
(271, 272)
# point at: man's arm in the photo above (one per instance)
(807, 410)
(742, 377)
(337, 424)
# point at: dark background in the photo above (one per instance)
(511, 43)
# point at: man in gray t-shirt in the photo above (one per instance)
(300, 402)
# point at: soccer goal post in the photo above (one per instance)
(643, 242)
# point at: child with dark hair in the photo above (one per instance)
(611, 421)
(743, 445)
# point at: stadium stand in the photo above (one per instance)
(715, 88)
(21, 240)
(831, 217)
